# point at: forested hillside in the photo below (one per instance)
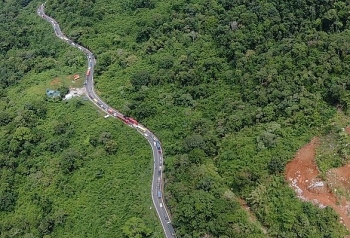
(65, 171)
(232, 89)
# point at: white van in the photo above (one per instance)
(160, 204)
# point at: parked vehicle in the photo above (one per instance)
(88, 71)
(158, 145)
(171, 228)
(143, 129)
(124, 119)
(132, 120)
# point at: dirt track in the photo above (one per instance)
(302, 174)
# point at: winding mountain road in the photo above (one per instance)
(157, 181)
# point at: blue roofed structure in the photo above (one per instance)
(53, 93)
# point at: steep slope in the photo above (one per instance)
(232, 89)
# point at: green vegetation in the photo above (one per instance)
(65, 171)
(232, 88)
(334, 147)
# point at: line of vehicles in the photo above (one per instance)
(131, 121)
(127, 120)
(157, 195)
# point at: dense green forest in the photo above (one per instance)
(232, 88)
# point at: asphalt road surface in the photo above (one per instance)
(157, 181)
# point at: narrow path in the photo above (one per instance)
(157, 181)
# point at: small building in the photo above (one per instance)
(53, 93)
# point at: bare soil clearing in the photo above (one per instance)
(302, 174)
(347, 129)
(56, 82)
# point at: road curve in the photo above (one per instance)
(157, 181)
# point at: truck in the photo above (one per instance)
(159, 194)
(124, 119)
(110, 110)
(132, 120)
(143, 129)
(88, 71)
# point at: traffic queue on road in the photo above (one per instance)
(169, 231)
(134, 123)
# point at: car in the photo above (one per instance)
(158, 145)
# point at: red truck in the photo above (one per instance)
(132, 120)
(123, 119)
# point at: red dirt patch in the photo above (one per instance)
(302, 174)
(347, 129)
(56, 82)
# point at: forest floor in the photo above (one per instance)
(303, 175)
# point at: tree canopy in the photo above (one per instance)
(232, 89)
